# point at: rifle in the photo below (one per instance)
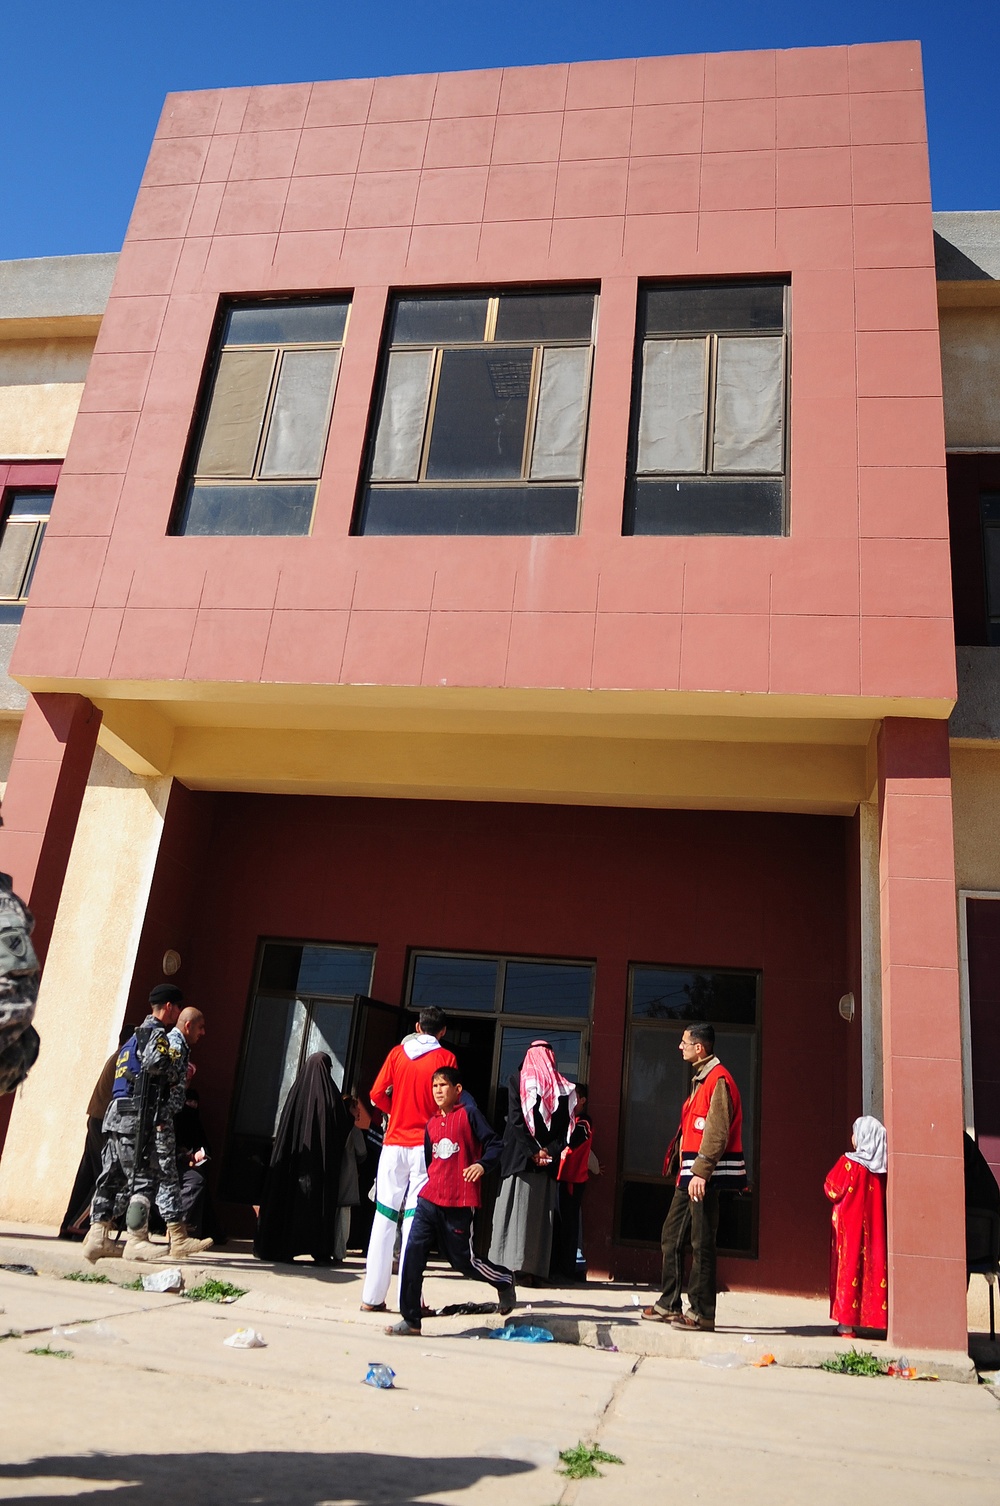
(146, 1124)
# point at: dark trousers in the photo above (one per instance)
(699, 1223)
(77, 1215)
(566, 1234)
(450, 1229)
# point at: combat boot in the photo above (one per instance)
(182, 1246)
(99, 1245)
(139, 1246)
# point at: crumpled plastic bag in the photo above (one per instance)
(722, 1361)
(88, 1333)
(170, 1280)
(524, 1334)
(246, 1338)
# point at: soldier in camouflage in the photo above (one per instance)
(138, 1131)
(19, 974)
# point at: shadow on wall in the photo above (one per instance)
(266, 1479)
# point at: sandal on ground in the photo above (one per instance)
(693, 1323)
(373, 1307)
(653, 1315)
(403, 1330)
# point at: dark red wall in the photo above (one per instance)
(700, 888)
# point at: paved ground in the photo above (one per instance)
(153, 1408)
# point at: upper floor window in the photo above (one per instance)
(25, 515)
(260, 447)
(482, 419)
(709, 423)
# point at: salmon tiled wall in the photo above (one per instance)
(811, 163)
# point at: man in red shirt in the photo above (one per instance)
(402, 1090)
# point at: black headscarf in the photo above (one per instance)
(299, 1204)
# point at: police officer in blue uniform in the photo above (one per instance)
(138, 1140)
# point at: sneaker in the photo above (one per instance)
(507, 1299)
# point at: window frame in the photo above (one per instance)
(438, 348)
(712, 335)
(507, 1018)
(677, 1027)
(12, 607)
(217, 348)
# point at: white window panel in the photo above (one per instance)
(296, 435)
(673, 407)
(400, 437)
(560, 423)
(749, 407)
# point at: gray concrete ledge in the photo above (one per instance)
(56, 287)
(967, 245)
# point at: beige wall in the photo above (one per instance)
(41, 383)
(970, 368)
(975, 782)
(9, 728)
(85, 985)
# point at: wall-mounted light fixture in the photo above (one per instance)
(171, 963)
(846, 1007)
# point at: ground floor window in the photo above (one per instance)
(304, 999)
(496, 1006)
(662, 1001)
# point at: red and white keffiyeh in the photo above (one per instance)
(542, 1085)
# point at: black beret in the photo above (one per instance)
(165, 993)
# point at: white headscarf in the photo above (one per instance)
(869, 1137)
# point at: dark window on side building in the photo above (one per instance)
(974, 541)
(709, 432)
(481, 422)
(259, 448)
(25, 515)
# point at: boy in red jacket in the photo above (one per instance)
(460, 1148)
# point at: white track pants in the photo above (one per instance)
(402, 1172)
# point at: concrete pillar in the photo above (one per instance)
(85, 985)
(921, 1038)
(48, 775)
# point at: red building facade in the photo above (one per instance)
(506, 524)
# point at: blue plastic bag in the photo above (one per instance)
(524, 1334)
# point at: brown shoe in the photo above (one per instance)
(693, 1323)
(653, 1315)
(373, 1307)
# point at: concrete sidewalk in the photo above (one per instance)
(597, 1315)
(152, 1408)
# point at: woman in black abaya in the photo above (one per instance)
(298, 1210)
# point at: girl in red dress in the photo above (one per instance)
(859, 1291)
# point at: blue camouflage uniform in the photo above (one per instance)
(138, 1158)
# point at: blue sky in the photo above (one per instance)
(83, 84)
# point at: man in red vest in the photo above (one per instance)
(705, 1157)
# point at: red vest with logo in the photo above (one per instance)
(453, 1148)
(730, 1171)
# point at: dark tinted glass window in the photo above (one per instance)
(25, 516)
(454, 982)
(328, 970)
(673, 994)
(711, 308)
(545, 316)
(425, 321)
(547, 988)
(261, 439)
(482, 415)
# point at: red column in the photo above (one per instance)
(921, 1035)
(48, 775)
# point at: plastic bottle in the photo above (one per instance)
(380, 1376)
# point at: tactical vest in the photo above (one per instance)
(730, 1171)
(128, 1065)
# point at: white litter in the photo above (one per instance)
(246, 1338)
(748, 1338)
(88, 1333)
(723, 1361)
(170, 1280)
(635, 1301)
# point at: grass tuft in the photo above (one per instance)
(94, 1278)
(57, 1354)
(854, 1362)
(212, 1290)
(132, 1286)
(580, 1462)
